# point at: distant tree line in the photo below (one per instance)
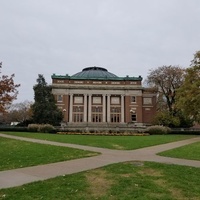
(178, 97)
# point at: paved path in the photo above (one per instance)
(16, 177)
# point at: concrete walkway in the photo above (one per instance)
(17, 177)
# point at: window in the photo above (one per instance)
(60, 98)
(78, 117)
(133, 99)
(133, 118)
(96, 109)
(96, 114)
(115, 114)
(115, 118)
(96, 117)
(77, 108)
(78, 113)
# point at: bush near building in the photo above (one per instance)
(158, 130)
(42, 128)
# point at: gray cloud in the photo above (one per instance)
(127, 37)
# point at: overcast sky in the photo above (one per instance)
(127, 37)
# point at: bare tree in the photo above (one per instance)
(19, 112)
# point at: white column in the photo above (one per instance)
(108, 108)
(122, 108)
(89, 107)
(85, 108)
(104, 108)
(70, 107)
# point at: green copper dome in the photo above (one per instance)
(94, 72)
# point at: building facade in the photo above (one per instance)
(96, 96)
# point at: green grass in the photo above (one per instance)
(110, 142)
(16, 154)
(191, 152)
(122, 181)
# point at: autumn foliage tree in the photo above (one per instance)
(166, 79)
(188, 95)
(8, 90)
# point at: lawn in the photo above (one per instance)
(191, 152)
(122, 181)
(17, 154)
(110, 142)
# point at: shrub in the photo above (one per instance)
(158, 130)
(42, 128)
(46, 128)
(33, 127)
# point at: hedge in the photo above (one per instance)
(185, 132)
(13, 128)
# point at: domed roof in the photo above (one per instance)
(94, 72)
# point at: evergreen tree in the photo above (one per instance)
(44, 108)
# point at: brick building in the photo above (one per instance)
(96, 96)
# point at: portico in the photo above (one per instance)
(97, 96)
(96, 108)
